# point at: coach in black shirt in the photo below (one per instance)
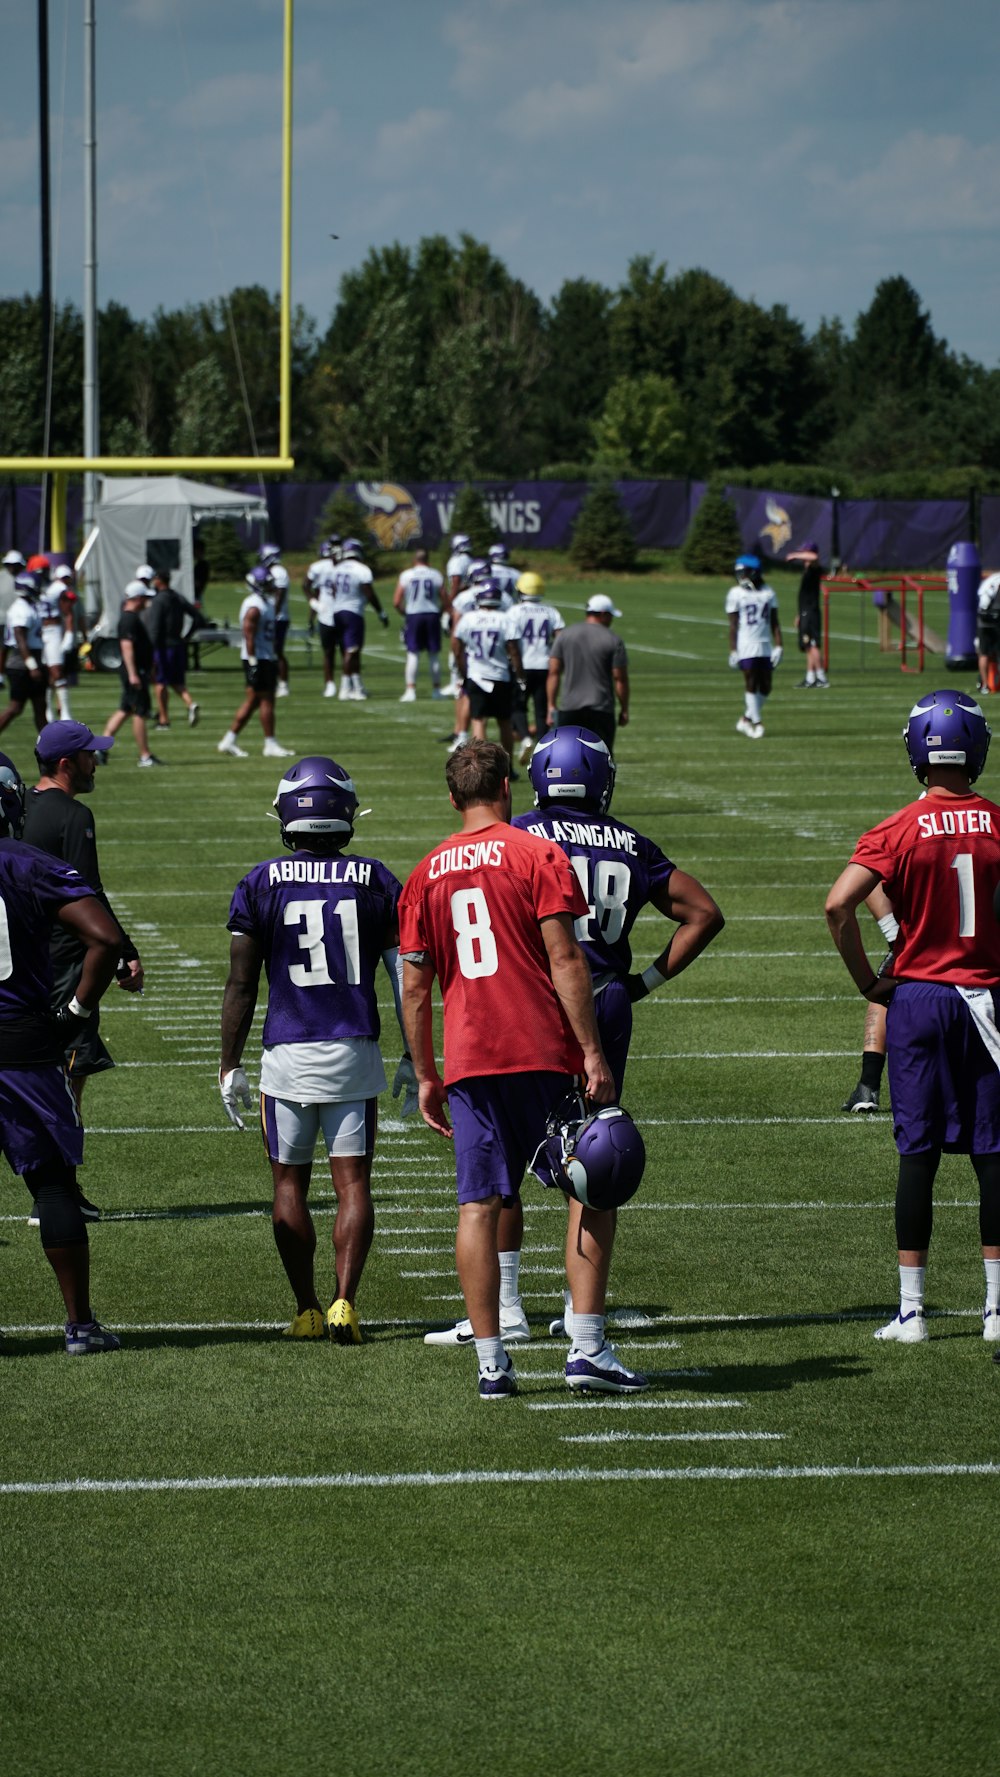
(57, 823)
(137, 662)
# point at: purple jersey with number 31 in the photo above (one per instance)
(322, 923)
(618, 871)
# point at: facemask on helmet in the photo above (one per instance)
(599, 1158)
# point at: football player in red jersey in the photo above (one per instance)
(490, 911)
(938, 860)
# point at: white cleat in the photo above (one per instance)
(272, 750)
(905, 1329)
(991, 1323)
(758, 731)
(409, 695)
(281, 689)
(460, 740)
(602, 1372)
(745, 726)
(228, 745)
(514, 1330)
(359, 696)
(329, 689)
(345, 692)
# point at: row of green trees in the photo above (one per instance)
(438, 363)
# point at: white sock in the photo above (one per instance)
(62, 699)
(510, 1291)
(588, 1333)
(410, 674)
(755, 704)
(911, 1287)
(810, 677)
(490, 1353)
(992, 1267)
(435, 660)
(821, 676)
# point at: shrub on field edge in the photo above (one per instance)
(602, 536)
(343, 516)
(225, 554)
(472, 515)
(713, 541)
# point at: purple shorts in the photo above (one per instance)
(614, 1024)
(170, 665)
(499, 1121)
(349, 628)
(759, 670)
(423, 633)
(39, 1119)
(945, 1088)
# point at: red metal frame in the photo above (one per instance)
(897, 583)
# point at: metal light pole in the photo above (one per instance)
(91, 418)
(45, 208)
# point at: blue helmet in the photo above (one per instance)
(747, 569)
(12, 794)
(599, 1158)
(259, 580)
(316, 795)
(572, 765)
(947, 728)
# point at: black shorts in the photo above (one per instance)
(328, 639)
(86, 1054)
(600, 722)
(497, 701)
(987, 641)
(135, 700)
(23, 687)
(810, 630)
(261, 678)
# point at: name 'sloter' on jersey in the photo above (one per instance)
(617, 869)
(473, 908)
(753, 606)
(938, 860)
(321, 923)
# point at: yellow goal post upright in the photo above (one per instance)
(62, 467)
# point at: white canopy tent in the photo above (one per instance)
(151, 518)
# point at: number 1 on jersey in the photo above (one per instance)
(962, 862)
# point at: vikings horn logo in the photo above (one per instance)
(778, 527)
(392, 512)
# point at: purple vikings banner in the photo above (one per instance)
(989, 532)
(900, 534)
(774, 524)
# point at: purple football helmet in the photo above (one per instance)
(268, 552)
(259, 580)
(12, 794)
(572, 765)
(498, 552)
(477, 570)
(27, 584)
(350, 549)
(599, 1158)
(328, 548)
(316, 796)
(460, 541)
(947, 728)
(488, 591)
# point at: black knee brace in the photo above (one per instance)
(988, 1173)
(915, 1199)
(57, 1200)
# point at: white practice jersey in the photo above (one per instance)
(24, 614)
(484, 635)
(458, 566)
(506, 578)
(421, 591)
(988, 590)
(753, 607)
(534, 626)
(319, 579)
(351, 579)
(280, 582)
(263, 645)
(48, 603)
(467, 601)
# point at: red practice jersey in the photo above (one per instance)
(473, 906)
(939, 863)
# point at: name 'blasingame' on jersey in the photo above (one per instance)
(938, 860)
(322, 923)
(618, 870)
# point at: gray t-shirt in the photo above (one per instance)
(588, 652)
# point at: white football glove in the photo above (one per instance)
(406, 1083)
(776, 654)
(734, 660)
(235, 1089)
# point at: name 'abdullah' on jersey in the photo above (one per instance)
(618, 870)
(473, 908)
(322, 923)
(939, 862)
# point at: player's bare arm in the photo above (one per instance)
(251, 623)
(239, 999)
(572, 982)
(128, 662)
(418, 1027)
(619, 677)
(552, 685)
(853, 886)
(399, 596)
(95, 928)
(698, 918)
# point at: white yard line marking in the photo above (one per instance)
(628, 1404)
(320, 1200)
(673, 1437)
(560, 1375)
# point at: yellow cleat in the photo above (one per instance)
(307, 1325)
(343, 1323)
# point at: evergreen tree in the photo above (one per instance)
(602, 536)
(472, 515)
(343, 516)
(713, 541)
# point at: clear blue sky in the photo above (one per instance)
(799, 149)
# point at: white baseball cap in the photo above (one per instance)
(601, 606)
(14, 559)
(144, 572)
(62, 572)
(137, 589)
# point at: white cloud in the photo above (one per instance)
(230, 100)
(398, 146)
(923, 184)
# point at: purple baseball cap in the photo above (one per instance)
(59, 740)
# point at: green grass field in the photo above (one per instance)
(304, 1558)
